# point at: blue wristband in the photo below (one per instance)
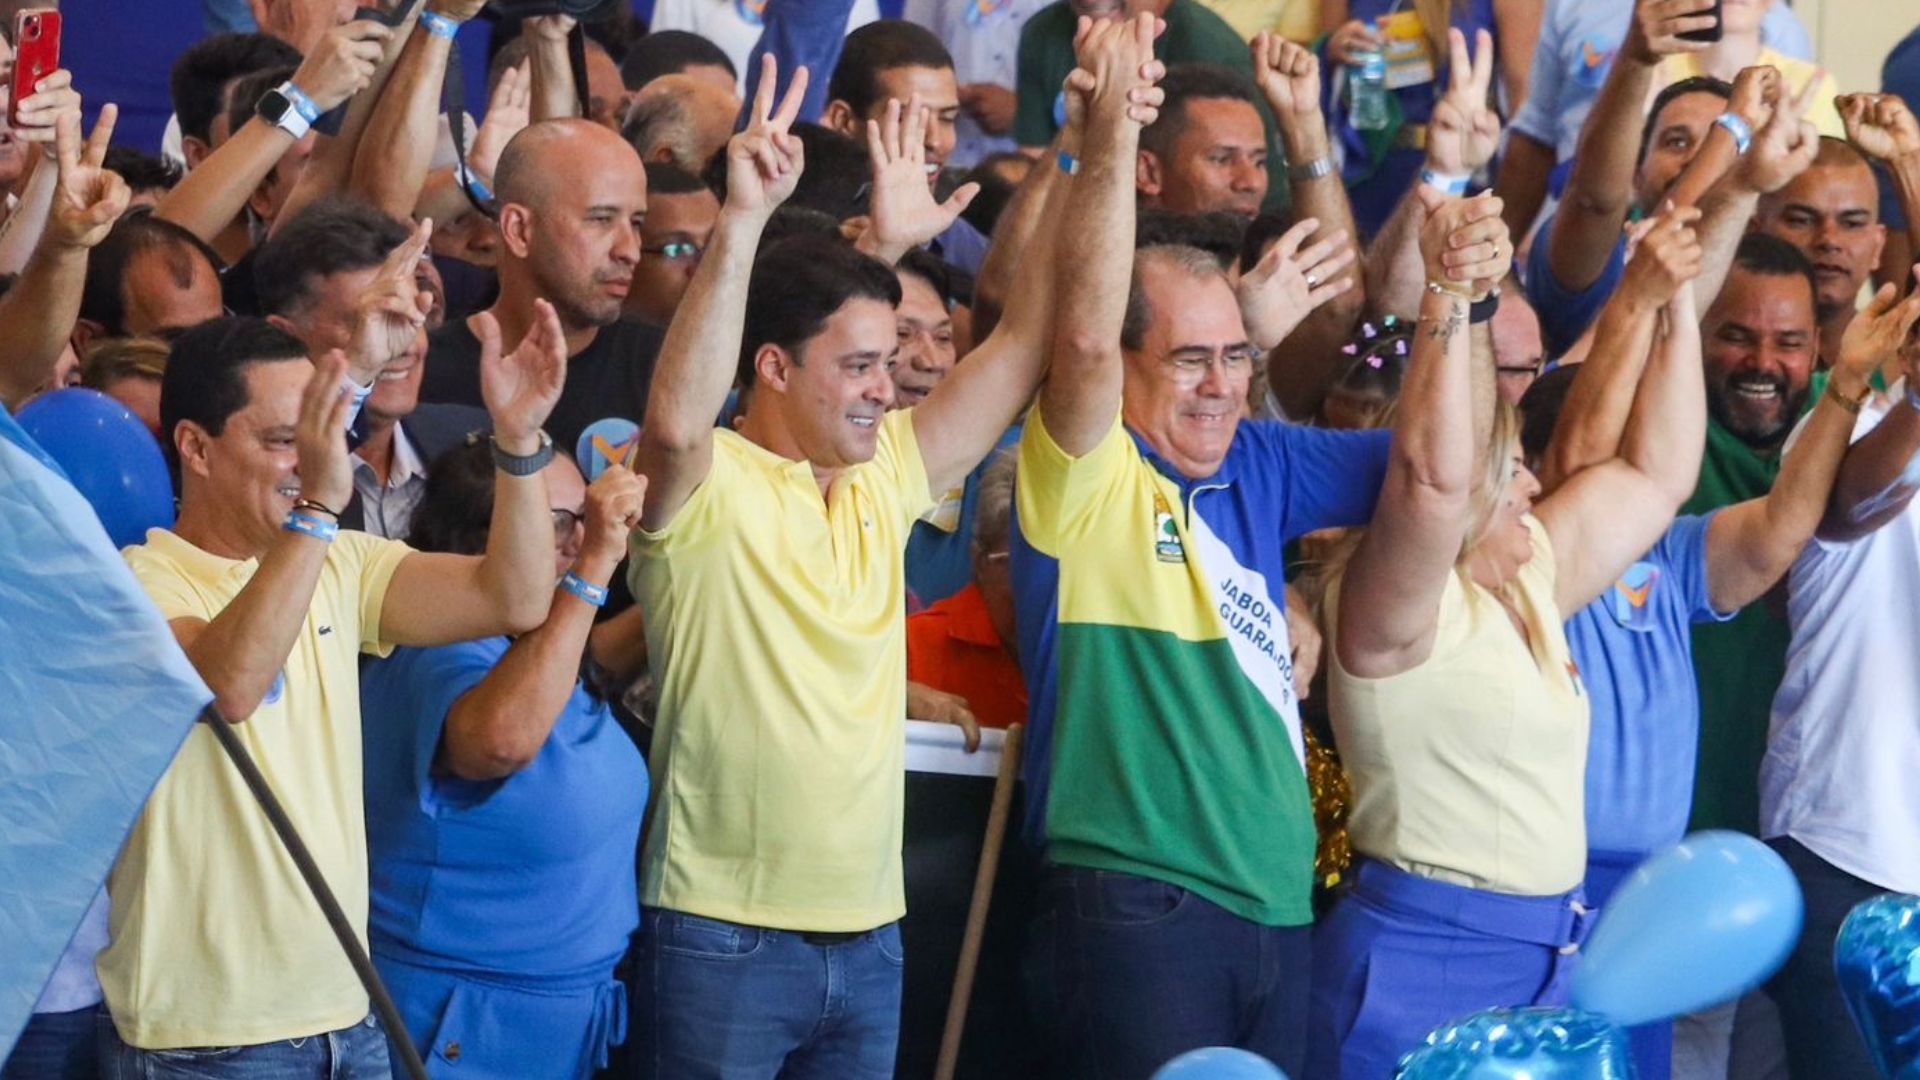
(1069, 164)
(439, 25)
(1454, 186)
(1737, 127)
(307, 525)
(302, 104)
(475, 186)
(580, 587)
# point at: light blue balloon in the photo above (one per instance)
(1696, 925)
(1219, 1063)
(1522, 1044)
(1877, 955)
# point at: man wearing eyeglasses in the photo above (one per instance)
(1165, 760)
(680, 215)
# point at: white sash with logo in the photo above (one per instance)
(1255, 624)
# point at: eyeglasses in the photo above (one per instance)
(675, 251)
(565, 522)
(1191, 367)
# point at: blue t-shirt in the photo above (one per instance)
(1634, 646)
(530, 877)
(1566, 313)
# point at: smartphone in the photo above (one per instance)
(1711, 33)
(36, 54)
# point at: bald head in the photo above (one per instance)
(681, 120)
(549, 155)
(572, 195)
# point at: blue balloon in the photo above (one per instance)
(1696, 925)
(1219, 1063)
(1522, 1044)
(109, 455)
(1878, 958)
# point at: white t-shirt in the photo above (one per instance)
(735, 25)
(1843, 750)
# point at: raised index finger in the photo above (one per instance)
(763, 94)
(1482, 64)
(66, 141)
(401, 261)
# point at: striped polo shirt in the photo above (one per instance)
(1165, 738)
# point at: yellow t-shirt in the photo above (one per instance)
(1298, 20)
(215, 940)
(1471, 767)
(776, 627)
(1824, 114)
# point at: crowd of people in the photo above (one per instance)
(1405, 464)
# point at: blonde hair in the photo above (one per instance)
(1489, 487)
(111, 359)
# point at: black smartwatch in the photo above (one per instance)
(517, 465)
(276, 107)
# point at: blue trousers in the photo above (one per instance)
(1128, 972)
(1822, 1043)
(501, 1027)
(1400, 955)
(1651, 1044)
(354, 1053)
(57, 1046)
(716, 1000)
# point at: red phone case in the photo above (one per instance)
(36, 55)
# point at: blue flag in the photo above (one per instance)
(95, 699)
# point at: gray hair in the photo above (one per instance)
(993, 508)
(1191, 261)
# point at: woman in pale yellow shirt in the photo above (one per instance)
(1457, 707)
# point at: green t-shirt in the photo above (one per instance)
(1739, 663)
(1194, 36)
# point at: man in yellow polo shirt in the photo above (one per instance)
(770, 565)
(219, 961)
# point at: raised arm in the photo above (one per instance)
(498, 728)
(701, 354)
(37, 122)
(39, 311)
(330, 167)
(1019, 223)
(1783, 147)
(1881, 472)
(1460, 141)
(1519, 24)
(1612, 513)
(1605, 387)
(554, 94)
(973, 407)
(1288, 74)
(1600, 190)
(1883, 127)
(241, 651)
(1751, 545)
(390, 164)
(1094, 261)
(208, 199)
(437, 598)
(1389, 599)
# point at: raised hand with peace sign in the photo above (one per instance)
(1465, 129)
(391, 312)
(88, 197)
(764, 161)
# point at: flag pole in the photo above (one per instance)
(343, 930)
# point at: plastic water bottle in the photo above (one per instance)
(1367, 87)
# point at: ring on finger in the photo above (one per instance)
(1312, 279)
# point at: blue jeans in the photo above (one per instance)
(1128, 972)
(56, 1046)
(354, 1053)
(719, 1001)
(1821, 1039)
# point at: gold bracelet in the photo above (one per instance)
(1441, 288)
(1852, 405)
